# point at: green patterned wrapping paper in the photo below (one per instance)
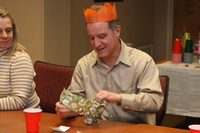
(90, 109)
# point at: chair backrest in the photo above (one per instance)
(164, 81)
(50, 80)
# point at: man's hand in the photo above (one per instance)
(109, 96)
(63, 112)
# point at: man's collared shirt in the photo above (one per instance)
(134, 75)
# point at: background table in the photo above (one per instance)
(184, 88)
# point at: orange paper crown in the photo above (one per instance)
(106, 13)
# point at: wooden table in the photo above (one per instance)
(144, 128)
(14, 122)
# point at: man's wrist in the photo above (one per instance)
(119, 100)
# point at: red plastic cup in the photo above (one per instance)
(177, 48)
(195, 128)
(176, 58)
(32, 116)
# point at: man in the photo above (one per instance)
(126, 77)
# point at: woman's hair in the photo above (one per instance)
(15, 46)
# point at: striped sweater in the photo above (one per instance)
(16, 82)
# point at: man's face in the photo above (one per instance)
(103, 40)
(6, 32)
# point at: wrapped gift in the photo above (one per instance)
(90, 109)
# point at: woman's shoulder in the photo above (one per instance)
(21, 56)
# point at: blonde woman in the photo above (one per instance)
(16, 69)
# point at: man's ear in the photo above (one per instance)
(118, 30)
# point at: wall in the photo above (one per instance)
(137, 22)
(28, 15)
(44, 28)
(54, 30)
(163, 23)
(57, 31)
(186, 13)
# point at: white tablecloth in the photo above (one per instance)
(184, 88)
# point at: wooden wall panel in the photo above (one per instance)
(186, 13)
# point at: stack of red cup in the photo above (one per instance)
(177, 51)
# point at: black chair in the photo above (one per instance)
(164, 81)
